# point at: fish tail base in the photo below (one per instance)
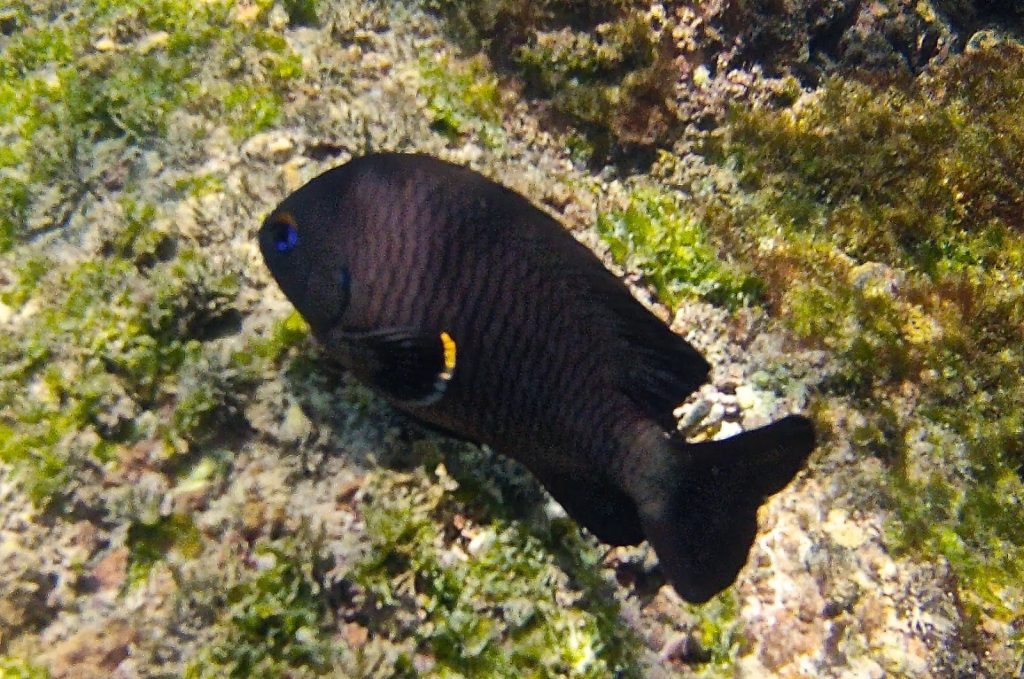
(703, 519)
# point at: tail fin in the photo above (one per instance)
(703, 524)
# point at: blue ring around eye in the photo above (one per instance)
(287, 238)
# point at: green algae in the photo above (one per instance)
(895, 238)
(922, 176)
(247, 109)
(12, 667)
(119, 70)
(486, 593)
(302, 12)
(27, 273)
(673, 250)
(510, 22)
(106, 341)
(276, 622)
(150, 543)
(610, 79)
(717, 635)
(138, 238)
(199, 185)
(463, 97)
(600, 64)
(286, 333)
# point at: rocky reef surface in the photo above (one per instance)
(823, 196)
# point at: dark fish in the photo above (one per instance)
(476, 312)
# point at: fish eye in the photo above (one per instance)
(286, 234)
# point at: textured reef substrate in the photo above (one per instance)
(824, 196)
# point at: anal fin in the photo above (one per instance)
(601, 508)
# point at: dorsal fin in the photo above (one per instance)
(657, 368)
(662, 368)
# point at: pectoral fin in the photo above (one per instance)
(409, 366)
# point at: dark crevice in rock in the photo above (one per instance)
(323, 150)
(827, 38)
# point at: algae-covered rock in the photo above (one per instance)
(823, 196)
(625, 71)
